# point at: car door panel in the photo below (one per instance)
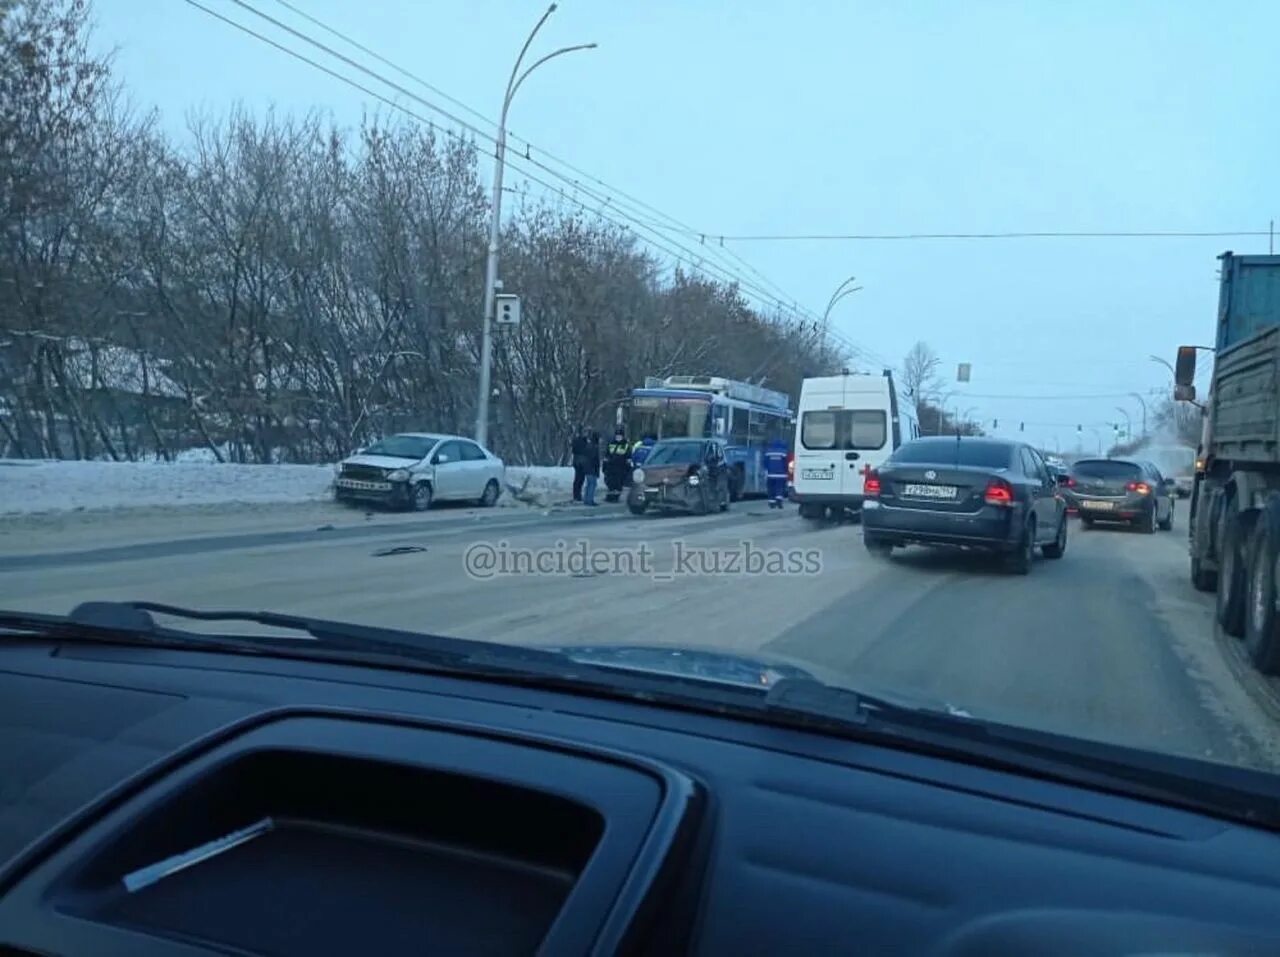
(449, 471)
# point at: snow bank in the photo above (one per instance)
(538, 485)
(49, 486)
(28, 486)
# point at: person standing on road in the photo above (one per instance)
(591, 469)
(616, 464)
(578, 456)
(775, 470)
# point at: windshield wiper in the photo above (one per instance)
(1243, 793)
(134, 622)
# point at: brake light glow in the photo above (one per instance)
(871, 484)
(998, 492)
(1071, 483)
(1142, 488)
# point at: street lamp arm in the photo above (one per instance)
(836, 295)
(837, 299)
(537, 63)
(512, 82)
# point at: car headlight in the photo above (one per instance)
(637, 476)
(694, 480)
(398, 475)
(337, 468)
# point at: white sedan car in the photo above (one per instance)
(413, 469)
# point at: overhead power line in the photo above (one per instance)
(1052, 234)
(689, 257)
(641, 209)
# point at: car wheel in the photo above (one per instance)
(737, 482)
(1147, 524)
(420, 497)
(1086, 522)
(812, 512)
(877, 546)
(490, 496)
(1021, 558)
(1058, 547)
(1262, 625)
(1166, 524)
(636, 508)
(1232, 582)
(1203, 579)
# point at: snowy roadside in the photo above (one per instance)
(42, 487)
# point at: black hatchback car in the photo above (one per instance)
(980, 493)
(1121, 490)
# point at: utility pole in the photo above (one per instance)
(491, 261)
(1142, 402)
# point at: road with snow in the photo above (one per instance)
(1111, 642)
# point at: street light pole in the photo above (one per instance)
(491, 261)
(1142, 402)
(1128, 422)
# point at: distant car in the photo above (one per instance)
(687, 474)
(1121, 490)
(980, 493)
(414, 469)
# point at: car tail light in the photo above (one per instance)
(791, 467)
(871, 484)
(1071, 483)
(1142, 488)
(998, 492)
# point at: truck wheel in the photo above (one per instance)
(1203, 579)
(1261, 623)
(812, 512)
(1232, 581)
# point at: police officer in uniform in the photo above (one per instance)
(617, 465)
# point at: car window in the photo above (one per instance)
(402, 446)
(451, 450)
(934, 451)
(1106, 469)
(1038, 468)
(843, 429)
(470, 452)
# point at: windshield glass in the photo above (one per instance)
(1106, 470)
(992, 455)
(402, 446)
(826, 238)
(843, 429)
(675, 453)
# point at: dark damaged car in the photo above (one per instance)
(685, 474)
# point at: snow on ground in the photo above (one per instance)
(48, 486)
(37, 486)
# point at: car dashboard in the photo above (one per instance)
(171, 802)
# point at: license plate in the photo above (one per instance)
(817, 474)
(1097, 506)
(929, 491)
(359, 485)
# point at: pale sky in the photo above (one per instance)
(741, 117)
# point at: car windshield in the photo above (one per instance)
(254, 255)
(402, 446)
(1103, 469)
(675, 453)
(992, 455)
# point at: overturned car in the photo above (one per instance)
(686, 474)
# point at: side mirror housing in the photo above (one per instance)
(439, 458)
(1184, 373)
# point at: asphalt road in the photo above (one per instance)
(1111, 642)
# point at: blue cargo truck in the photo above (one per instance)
(1235, 500)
